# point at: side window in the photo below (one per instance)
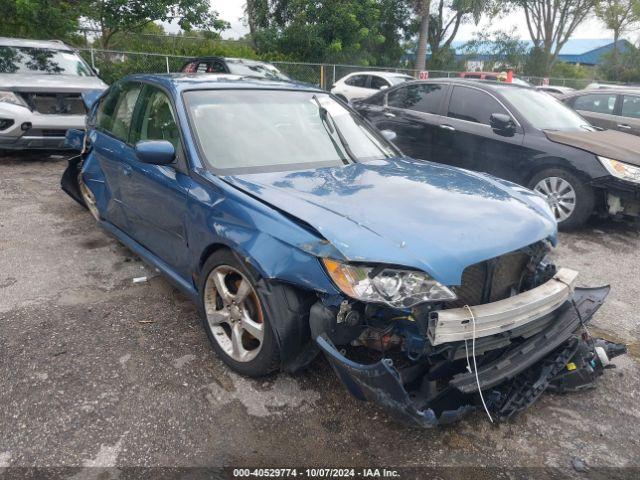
(115, 112)
(190, 67)
(597, 103)
(473, 105)
(155, 120)
(378, 82)
(216, 67)
(423, 98)
(357, 81)
(631, 106)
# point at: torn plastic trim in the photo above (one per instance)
(381, 383)
(584, 304)
(452, 325)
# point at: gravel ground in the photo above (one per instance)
(98, 371)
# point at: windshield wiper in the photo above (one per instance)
(332, 127)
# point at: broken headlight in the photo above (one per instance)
(396, 287)
(622, 170)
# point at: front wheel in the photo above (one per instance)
(570, 199)
(235, 317)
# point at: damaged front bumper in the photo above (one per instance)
(559, 358)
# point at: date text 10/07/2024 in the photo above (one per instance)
(315, 472)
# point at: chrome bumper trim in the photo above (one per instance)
(456, 324)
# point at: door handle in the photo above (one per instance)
(624, 126)
(447, 127)
(389, 114)
(126, 169)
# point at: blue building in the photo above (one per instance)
(583, 51)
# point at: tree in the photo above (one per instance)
(366, 31)
(422, 10)
(114, 16)
(619, 16)
(551, 23)
(446, 20)
(503, 49)
(39, 18)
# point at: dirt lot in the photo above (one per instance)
(98, 371)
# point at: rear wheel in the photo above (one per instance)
(570, 199)
(87, 196)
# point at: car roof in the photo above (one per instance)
(383, 74)
(21, 42)
(250, 61)
(180, 82)
(491, 85)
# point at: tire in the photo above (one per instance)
(87, 196)
(559, 186)
(254, 364)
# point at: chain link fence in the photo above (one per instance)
(113, 65)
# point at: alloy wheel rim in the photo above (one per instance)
(87, 196)
(560, 196)
(234, 314)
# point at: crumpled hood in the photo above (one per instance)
(431, 217)
(23, 82)
(607, 143)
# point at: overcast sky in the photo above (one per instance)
(233, 11)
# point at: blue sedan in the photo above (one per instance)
(298, 228)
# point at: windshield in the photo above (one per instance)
(543, 111)
(399, 79)
(42, 61)
(265, 130)
(255, 69)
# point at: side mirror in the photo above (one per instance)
(502, 123)
(156, 152)
(389, 135)
(384, 87)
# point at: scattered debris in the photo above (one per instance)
(140, 279)
(146, 321)
(579, 465)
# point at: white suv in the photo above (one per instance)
(41, 87)
(359, 85)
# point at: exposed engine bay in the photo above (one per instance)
(517, 328)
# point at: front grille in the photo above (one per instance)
(491, 280)
(55, 103)
(37, 132)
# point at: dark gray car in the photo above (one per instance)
(613, 109)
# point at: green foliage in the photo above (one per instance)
(502, 50)
(367, 32)
(567, 70)
(113, 16)
(41, 19)
(623, 67)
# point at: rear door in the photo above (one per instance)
(465, 138)
(413, 113)
(155, 196)
(110, 145)
(629, 120)
(599, 108)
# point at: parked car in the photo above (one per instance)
(493, 76)
(556, 90)
(235, 66)
(295, 227)
(41, 88)
(519, 134)
(359, 85)
(615, 108)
